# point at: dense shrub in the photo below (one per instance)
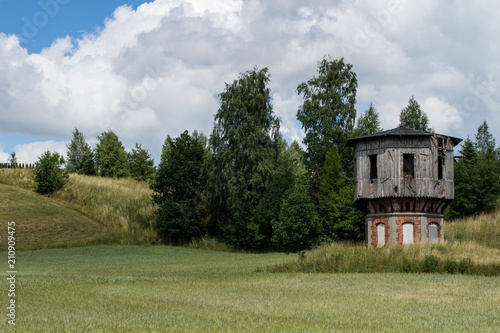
(48, 174)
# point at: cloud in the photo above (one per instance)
(158, 70)
(4, 157)
(444, 117)
(29, 152)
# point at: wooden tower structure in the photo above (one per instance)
(403, 180)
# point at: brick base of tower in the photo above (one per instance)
(403, 220)
(393, 228)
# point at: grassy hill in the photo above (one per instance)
(44, 222)
(87, 210)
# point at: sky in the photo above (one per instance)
(152, 69)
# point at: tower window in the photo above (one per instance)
(408, 165)
(440, 167)
(373, 167)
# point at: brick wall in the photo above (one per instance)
(439, 222)
(415, 220)
(373, 226)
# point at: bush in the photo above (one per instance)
(450, 266)
(48, 174)
(430, 264)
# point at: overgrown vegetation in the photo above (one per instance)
(124, 206)
(472, 246)
(451, 258)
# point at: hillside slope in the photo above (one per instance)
(43, 222)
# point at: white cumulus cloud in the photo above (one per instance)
(158, 70)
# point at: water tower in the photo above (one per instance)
(403, 179)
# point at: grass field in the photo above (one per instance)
(166, 289)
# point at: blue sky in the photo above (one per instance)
(40, 22)
(156, 69)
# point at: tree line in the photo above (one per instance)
(246, 184)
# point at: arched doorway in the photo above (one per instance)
(433, 232)
(407, 233)
(380, 235)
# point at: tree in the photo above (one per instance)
(13, 160)
(412, 116)
(110, 156)
(477, 176)
(48, 175)
(327, 113)
(244, 145)
(297, 228)
(141, 166)
(339, 217)
(177, 186)
(80, 158)
(485, 143)
(368, 123)
(289, 173)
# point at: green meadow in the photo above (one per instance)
(85, 263)
(113, 288)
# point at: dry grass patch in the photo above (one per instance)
(483, 229)
(123, 205)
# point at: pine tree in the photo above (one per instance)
(13, 161)
(48, 175)
(412, 116)
(485, 143)
(477, 176)
(80, 158)
(111, 157)
(340, 219)
(141, 165)
(368, 123)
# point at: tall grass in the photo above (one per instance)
(419, 258)
(123, 205)
(18, 177)
(472, 246)
(483, 229)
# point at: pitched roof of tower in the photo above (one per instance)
(398, 131)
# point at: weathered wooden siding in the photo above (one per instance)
(390, 181)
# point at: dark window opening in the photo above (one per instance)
(408, 165)
(407, 206)
(373, 167)
(440, 167)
